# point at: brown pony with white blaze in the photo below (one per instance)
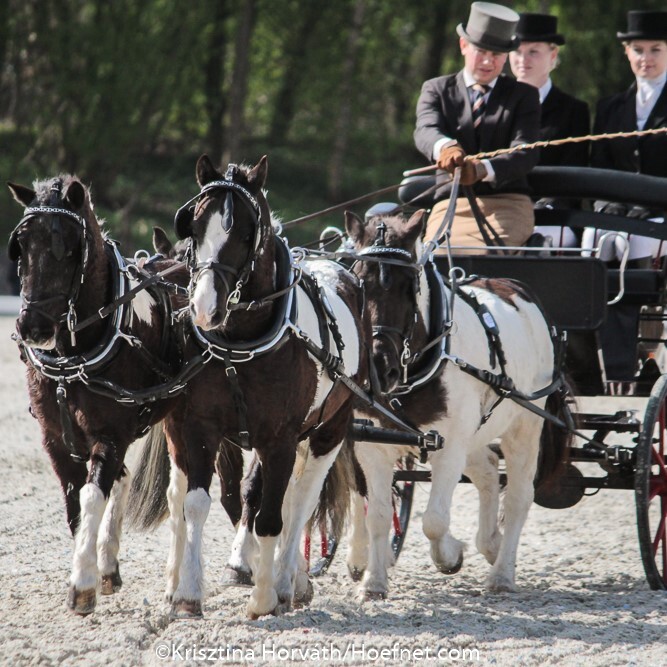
(270, 323)
(92, 380)
(421, 354)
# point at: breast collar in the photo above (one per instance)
(216, 346)
(82, 366)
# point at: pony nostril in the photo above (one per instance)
(216, 318)
(391, 378)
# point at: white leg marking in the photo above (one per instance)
(357, 554)
(377, 463)
(108, 541)
(191, 577)
(264, 599)
(176, 491)
(298, 505)
(85, 574)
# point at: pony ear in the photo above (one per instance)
(21, 193)
(414, 227)
(257, 175)
(354, 226)
(205, 171)
(75, 195)
(161, 242)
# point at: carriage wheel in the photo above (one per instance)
(651, 487)
(402, 493)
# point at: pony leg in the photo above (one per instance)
(277, 466)
(238, 571)
(377, 463)
(175, 499)
(482, 469)
(446, 468)
(187, 599)
(357, 555)
(72, 476)
(108, 542)
(84, 580)
(521, 453)
(299, 503)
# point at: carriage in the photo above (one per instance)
(619, 450)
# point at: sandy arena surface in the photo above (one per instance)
(583, 601)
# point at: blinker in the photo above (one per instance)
(183, 220)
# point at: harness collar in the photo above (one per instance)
(79, 367)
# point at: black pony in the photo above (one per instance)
(101, 357)
(285, 337)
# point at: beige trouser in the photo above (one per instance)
(510, 215)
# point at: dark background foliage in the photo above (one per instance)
(128, 93)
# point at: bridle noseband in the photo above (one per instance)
(224, 271)
(385, 256)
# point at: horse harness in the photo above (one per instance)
(438, 347)
(88, 367)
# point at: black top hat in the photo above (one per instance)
(539, 28)
(644, 24)
(490, 27)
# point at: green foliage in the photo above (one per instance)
(115, 91)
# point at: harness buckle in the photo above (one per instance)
(230, 371)
(71, 322)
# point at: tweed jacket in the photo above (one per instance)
(644, 155)
(512, 117)
(564, 116)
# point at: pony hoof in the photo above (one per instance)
(450, 570)
(111, 583)
(81, 602)
(355, 573)
(372, 596)
(501, 585)
(302, 598)
(183, 609)
(236, 577)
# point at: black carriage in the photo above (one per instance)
(628, 451)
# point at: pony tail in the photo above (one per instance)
(334, 501)
(147, 502)
(555, 442)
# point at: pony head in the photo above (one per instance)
(387, 250)
(51, 244)
(228, 223)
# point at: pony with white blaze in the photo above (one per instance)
(451, 359)
(278, 332)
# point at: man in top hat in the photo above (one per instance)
(481, 110)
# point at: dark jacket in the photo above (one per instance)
(644, 155)
(512, 117)
(564, 116)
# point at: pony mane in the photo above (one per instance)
(42, 189)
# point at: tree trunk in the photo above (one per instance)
(215, 79)
(239, 87)
(438, 36)
(295, 54)
(344, 120)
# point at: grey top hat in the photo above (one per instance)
(539, 28)
(645, 25)
(490, 27)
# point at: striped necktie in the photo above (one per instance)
(478, 104)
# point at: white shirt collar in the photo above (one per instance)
(545, 89)
(469, 81)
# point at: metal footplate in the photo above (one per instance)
(366, 431)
